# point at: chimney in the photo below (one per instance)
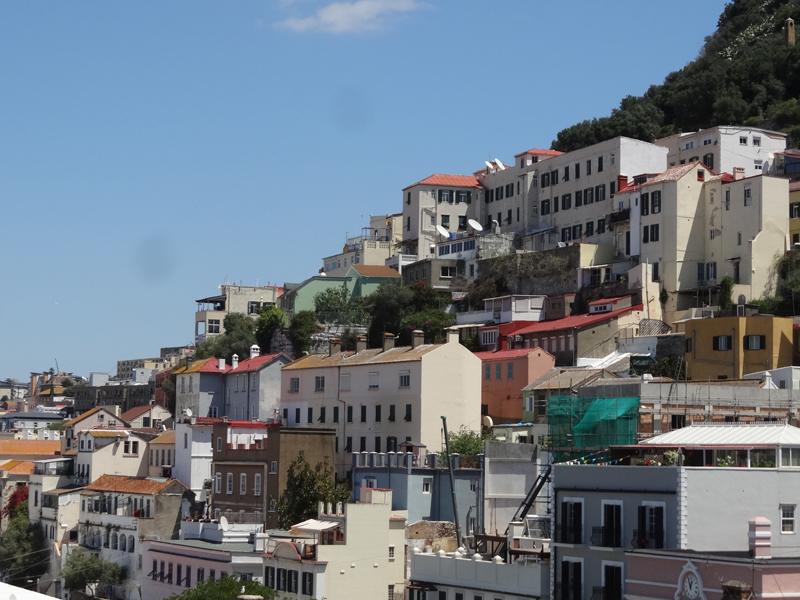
(361, 343)
(417, 338)
(452, 335)
(34, 381)
(117, 410)
(255, 351)
(221, 364)
(388, 341)
(738, 173)
(234, 361)
(335, 346)
(788, 31)
(760, 537)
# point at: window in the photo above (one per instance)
(391, 552)
(743, 141)
(213, 326)
(291, 584)
(427, 482)
(256, 486)
(377, 413)
(273, 467)
(344, 382)
(601, 226)
(322, 414)
(498, 371)
(242, 484)
(701, 175)
(656, 202)
(545, 207)
(555, 204)
(711, 234)
(708, 160)
(727, 199)
(739, 238)
(794, 210)
(600, 192)
(754, 342)
(405, 379)
(599, 165)
(612, 581)
(218, 483)
(571, 521)
(489, 337)
(654, 232)
(566, 201)
(566, 234)
(612, 526)
(308, 584)
(188, 580)
(589, 228)
(589, 167)
(408, 223)
(553, 177)
(335, 414)
(448, 272)
(545, 180)
(711, 270)
(578, 198)
(349, 414)
(571, 579)
(655, 272)
(294, 385)
(362, 446)
(510, 371)
(408, 198)
(462, 222)
(319, 385)
(588, 196)
(297, 416)
(650, 530)
(577, 232)
(756, 141)
(446, 221)
(577, 170)
(229, 483)
(408, 413)
(310, 415)
(201, 575)
(722, 342)
(790, 457)
(566, 173)
(645, 208)
(748, 196)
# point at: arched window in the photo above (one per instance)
(131, 543)
(122, 542)
(113, 541)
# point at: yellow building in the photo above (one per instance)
(732, 347)
(794, 211)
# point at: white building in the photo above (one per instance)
(725, 147)
(378, 398)
(376, 244)
(782, 378)
(193, 454)
(350, 551)
(253, 386)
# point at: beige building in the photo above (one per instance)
(115, 451)
(348, 551)
(694, 228)
(161, 455)
(148, 416)
(125, 367)
(377, 243)
(211, 311)
(378, 398)
(726, 147)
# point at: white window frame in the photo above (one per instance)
(611, 563)
(273, 467)
(792, 519)
(573, 500)
(319, 379)
(427, 485)
(656, 504)
(621, 505)
(344, 382)
(229, 483)
(405, 379)
(243, 484)
(294, 385)
(374, 380)
(218, 483)
(577, 559)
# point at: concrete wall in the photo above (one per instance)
(193, 455)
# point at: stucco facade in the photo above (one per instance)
(253, 386)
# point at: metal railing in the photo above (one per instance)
(606, 536)
(643, 541)
(567, 535)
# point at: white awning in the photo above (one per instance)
(313, 526)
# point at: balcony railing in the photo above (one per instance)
(564, 592)
(606, 537)
(60, 468)
(620, 216)
(643, 541)
(239, 517)
(568, 535)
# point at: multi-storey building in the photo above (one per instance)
(253, 386)
(732, 347)
(193, 454)
(694, 228)
(147, 416)
(725, 147)
(117, 513)
(350, 551)
(161, 452)
(200, 388)
(377, 398)
(124, 394)
(118, 451)
(377, 243)
(211, 312)
(251, 462)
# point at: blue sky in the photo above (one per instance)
(149, 149)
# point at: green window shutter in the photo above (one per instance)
(763, 341)
(440, 196)
(469, 197)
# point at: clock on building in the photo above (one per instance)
(690, 584)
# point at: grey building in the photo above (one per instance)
(422, 486)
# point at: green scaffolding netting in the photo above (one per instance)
(578, 424)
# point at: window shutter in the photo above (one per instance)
(577, 524)
(564, 521)
(469, 197)
(715, 341)
(576, 581)
(746, 343)
(564, 580)
(729, 340)
(762, 341)
(642, 522)
(658, 515)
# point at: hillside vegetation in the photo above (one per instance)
(745, 74)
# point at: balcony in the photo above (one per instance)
(642, 542)
(605, 593)
(620, 216)
(60, 468)
(606, 537)
(568, 535)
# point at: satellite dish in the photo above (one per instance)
(562, 245)
(487, 421)
(475, 225)
(188, 412)
(499, 164)
(488, 164)
(223, 523)
(442, 231)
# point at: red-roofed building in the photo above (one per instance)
(503, 375)
(253, 386)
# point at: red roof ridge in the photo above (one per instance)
(448, 180)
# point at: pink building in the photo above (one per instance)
(686, 575)
(504, 374)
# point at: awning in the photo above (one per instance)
(540, 230)
(313, 526)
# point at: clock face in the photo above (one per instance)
(691, 586)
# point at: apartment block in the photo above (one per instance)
(248, 300)
(732, 347)
(119, 451)
(380, 397)
(726, 147)
(253, 386)
(376, 243)
(161, 455)
(200, 388)
(193, 454)
(694, 228)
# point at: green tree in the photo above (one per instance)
(431, 321)
(302, 326)
(226, 587)
(238, 337)
(387, 306)
(424, 297)
(726, 293)
(84, 570)
(4, 398)
(306, 487)
(464, 442)
(670, 366)
(270, 319)
(57, 426)
(332, 299)
(23, 552)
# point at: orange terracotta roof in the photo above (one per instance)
(105, 433)
(540, 152)
(129, 485)
(168, 437)
(506, 354)
(376, 271)
(80, 418)
(606, 300)
(209, 365)
(43, 447)
(672, 174)
(365, 357)
(448, 180)
(137, 411)
(18, 467)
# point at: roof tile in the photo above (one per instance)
(129, 485)
(449, 180)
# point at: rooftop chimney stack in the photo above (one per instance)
(738, 173)
(221, 364)
(760, 537)
(361, 343)
(255, 351)
(452, 335)
(788, 30)
(388, 341)
(417, 338)
(335, 346)
(234, 361)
